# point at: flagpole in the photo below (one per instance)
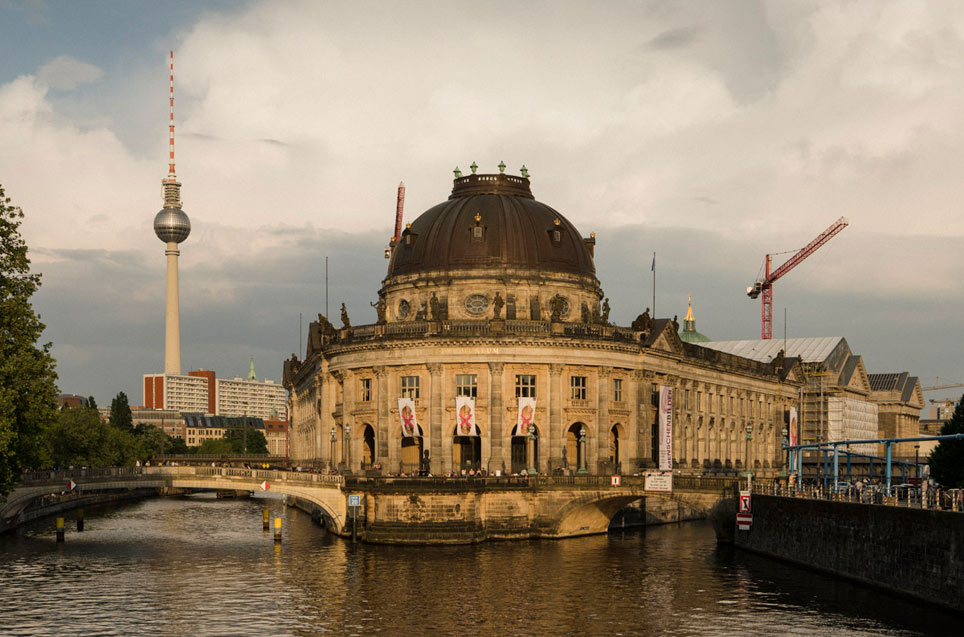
(654, 285)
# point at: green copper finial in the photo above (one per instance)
(524, 171)
(474, 167)
(502, 167)
(251, 374)
(458, 173)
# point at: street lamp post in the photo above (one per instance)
(331, 456)
(347, 447)
(920, 483)
(746, 457)
(582, 450)
(531, 437)
(245, 434)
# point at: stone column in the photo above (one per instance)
(354, 455)
(497, 433)
(387, 455)
(435, 419)
(320, 447)
(554, 437)
(603, 392)
(643, 414)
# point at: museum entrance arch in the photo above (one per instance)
(368, 446)
(520, 450)
(467, 450)
(574, 450)
(615, 434)
(411, 452)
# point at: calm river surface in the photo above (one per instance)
(198, 566)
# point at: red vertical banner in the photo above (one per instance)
(793, 427)
(665, 428)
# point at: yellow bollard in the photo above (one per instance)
(277, 529)
(60, 529)
(265, 516)
(80, 519)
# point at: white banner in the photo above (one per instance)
(793, 426)
(665, 428)
(465, 416)
(406, 413)
(527, 416)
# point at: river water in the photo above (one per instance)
(200, 566)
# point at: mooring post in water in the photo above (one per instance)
(80, 519)
(265, 517)
(354, 524)
(277, 529)
(60, 529)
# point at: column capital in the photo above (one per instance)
(605, 372)
(380, 370)
(496, 368)
(555, 369)
(434, 369)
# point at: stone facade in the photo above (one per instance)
(522, 316)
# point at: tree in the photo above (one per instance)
(947, 459)
(28, 391)
(91, 402)
(257, 444)
(120, 413)
(214, 447)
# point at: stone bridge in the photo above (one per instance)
(402, 510)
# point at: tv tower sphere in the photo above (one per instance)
(172, 225)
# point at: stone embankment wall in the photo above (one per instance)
(911, 551)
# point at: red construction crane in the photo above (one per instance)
(765, 285)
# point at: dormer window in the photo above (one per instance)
(409, 236)
(555, 232)
(477, 229)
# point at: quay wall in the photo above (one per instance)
(910, 551)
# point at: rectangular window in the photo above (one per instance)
(699, 401)
(466, 385)
(577, 385)
(525, 386)
(709, 402)
(732, 399)
(686, 400)
(721, 404)
(366, 390)
(617, 390)
(654, 397)
(410, 387)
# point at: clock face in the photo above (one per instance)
(476, 304)
(404, 309)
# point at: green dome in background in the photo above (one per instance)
(689, 333)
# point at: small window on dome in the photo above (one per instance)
(555, 232)
(477, 229)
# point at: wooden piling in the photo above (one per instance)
(265, 519)
(277, 529)
(60, 529)
(80, 519)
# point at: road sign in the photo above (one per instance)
(265, 486)
(744, 501)
(71, 485)
(744, 521)
(354, 500)
(615, 480)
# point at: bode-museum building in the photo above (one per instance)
(493, 350)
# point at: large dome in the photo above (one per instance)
(491, 221)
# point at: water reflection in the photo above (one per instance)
(205, 566)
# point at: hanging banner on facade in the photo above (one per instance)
(793, 426)
(406, 412)
(665, 428)
(527, 414)
(465, 415)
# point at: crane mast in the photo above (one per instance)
(764, 286)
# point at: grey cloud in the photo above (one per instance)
(676, 38)
(66, 73)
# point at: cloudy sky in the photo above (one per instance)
(710, 133)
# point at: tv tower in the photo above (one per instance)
(172, 226)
